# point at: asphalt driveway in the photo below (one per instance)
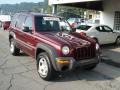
(19, 73)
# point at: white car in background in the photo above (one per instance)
(103, 34)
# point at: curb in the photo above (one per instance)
(110, 62)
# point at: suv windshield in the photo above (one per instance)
(65, 26)
(84, 27)
(46, 24)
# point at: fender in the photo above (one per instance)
(51, 51)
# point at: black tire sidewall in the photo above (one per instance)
(16, 51)
(117, 40)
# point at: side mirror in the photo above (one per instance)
(26, 29)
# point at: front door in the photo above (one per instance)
(29, 36)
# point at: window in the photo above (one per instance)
(14, 20)
(107, 29)
(65, 26)
(104, 29)
(100, 28)
(43, 25)
(20, 21)
(117, 20)
(28, 23)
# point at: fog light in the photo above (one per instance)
(63, 61)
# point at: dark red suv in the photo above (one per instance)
(52, 42)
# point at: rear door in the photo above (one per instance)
(111, 36)
(18, 31)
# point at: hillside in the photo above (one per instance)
(14, 8)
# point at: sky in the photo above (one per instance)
(17, 1)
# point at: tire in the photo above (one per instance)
(118, 41)
(91, 67)
(13, 49)
(44, 67)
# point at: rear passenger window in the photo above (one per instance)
(20, 21)
(107, 29)
(14, 20)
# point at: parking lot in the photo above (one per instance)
(19, 72)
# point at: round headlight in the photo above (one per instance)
(97, 46)
(65, 50)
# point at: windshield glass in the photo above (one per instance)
(65, 26)
(48, 24)
(84, 27)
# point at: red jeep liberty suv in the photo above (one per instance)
(52, 42)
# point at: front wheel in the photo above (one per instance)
(13, 49)
(44, 66)
(118, 41)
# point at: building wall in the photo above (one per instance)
(107, 16)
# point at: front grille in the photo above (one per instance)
(85, 52)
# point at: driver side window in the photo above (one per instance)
(28, 23)
(104, 29)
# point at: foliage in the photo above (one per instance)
(14, 8)
(41, 7)
(67, 12)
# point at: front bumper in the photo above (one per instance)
(69, 63)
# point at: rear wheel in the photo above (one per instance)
(13, 49)
(118, 41)
(44, 66)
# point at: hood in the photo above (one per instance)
(72, 40)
